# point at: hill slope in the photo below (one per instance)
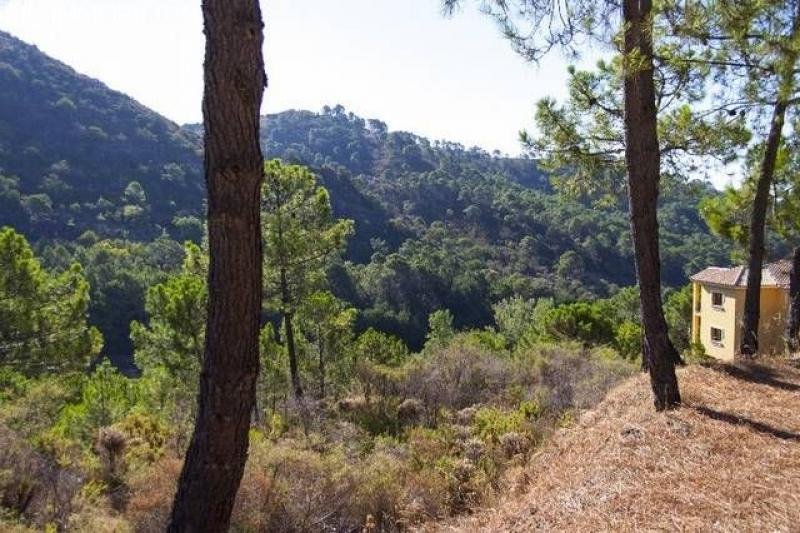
(728, 460)
(76, 156)
(74, 146)
(438, 225)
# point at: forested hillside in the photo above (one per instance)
(76, 155)
(460, 228)
(452, 227)
(358, 329)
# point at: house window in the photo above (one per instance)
(717, 335)
(716, 299)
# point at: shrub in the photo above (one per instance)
(110, 445)
(152, 492)
(628, 339)
(288, 487)
(376, 418)
(696, 353)
(466, 415)
(19, 483)
(379, 489)
(457, 377)
(32, 488)
(410, 411)
(579, 321)
(514, 443)
(474, 449)
(487, 339)
(276, 426)
(12, 384)
(568, 377)
(145, 436)
(427, 446)
(37, 405)
(464, 489)
(492, 423)
(106, 396)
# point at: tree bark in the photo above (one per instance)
(321, 349)
(642, 160)
(748, 347)
(793, 320)
(292, 349)
(291, 345)
(234, 87)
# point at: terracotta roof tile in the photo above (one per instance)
(779, 272)
(774, 275)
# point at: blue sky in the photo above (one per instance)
(397, 60)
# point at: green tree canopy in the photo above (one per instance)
(176, 309)
(301, 236)
(326, 323)
(43, 315)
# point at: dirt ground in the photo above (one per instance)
(727, 460)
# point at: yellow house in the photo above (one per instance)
(718, 305)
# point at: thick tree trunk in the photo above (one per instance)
(291, 345)
(793, 320)
(234, 86)
(758, 219)
(642, 160)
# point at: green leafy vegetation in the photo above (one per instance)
(300, 236)
(435, 225)
(43, 315)
(411, 436)
(79, 156)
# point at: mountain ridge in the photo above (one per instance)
(446, 226)
(75, 145)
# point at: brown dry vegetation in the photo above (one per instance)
(468, 439)
(432, 439)
(728, 460)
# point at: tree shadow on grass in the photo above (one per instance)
(755, 373)
(738, 420)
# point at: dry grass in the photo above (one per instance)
(728, 460)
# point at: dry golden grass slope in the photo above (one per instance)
(728, 460)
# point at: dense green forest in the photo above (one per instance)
(89, 175)
(76, 155)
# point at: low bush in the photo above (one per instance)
(33, 488)
(424, 438)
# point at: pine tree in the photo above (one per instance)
(300, 237)
(234, 86)
(534, 28)
(43, 315)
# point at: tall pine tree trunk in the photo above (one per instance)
(234, 86)
(793, 320)
(291, 344)
(748, 346)
(642, 160)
